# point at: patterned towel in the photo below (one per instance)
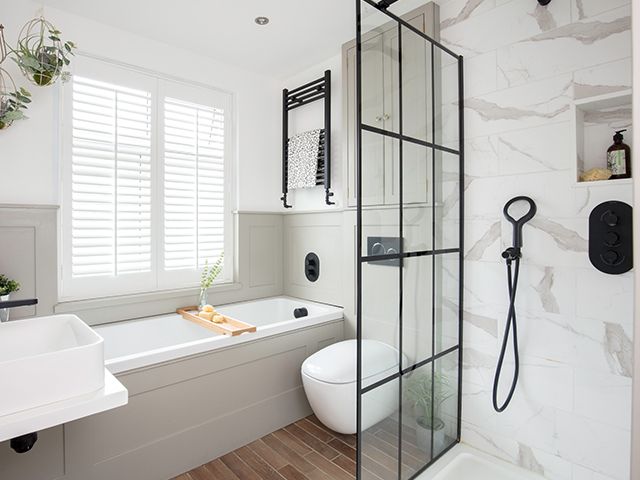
(304, 150)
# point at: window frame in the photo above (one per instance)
(99, 68)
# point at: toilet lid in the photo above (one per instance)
(337, 363)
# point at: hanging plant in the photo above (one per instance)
(40, 53)
(13, 100)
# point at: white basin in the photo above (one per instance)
(48, 359)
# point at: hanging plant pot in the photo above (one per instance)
(40, 53)
(13, 100)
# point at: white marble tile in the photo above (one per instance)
(571, 47)
(522, 107)
(605, 297)
(503, 25)
(595, 445)
(602, 347)
(541, 149)
(602, 79)
(481, 156)
(581, 9)
(482, 239)
(456, 11)
(583, 473)
(548, 464)
(587, 198)
(603, 397)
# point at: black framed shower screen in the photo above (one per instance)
(409, 233)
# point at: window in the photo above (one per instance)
(145, 183)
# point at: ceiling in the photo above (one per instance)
(301, 33)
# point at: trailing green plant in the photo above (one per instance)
(426, 398)
(209, 274)
(7, 285)
(12, 106)
(40, 53)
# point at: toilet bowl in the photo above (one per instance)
(329, 379)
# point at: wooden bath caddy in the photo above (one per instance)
(230, 326)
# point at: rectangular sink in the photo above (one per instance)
(48, 359)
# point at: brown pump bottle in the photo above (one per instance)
(619, 157)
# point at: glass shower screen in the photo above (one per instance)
(409, 245)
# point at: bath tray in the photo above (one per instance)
(230, 326)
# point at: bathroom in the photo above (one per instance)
(364, 309)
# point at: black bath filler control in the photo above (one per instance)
(611, 237)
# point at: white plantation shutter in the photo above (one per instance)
(194, 157)
(110, 179)
(143, 183)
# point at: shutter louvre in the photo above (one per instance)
(110, 179)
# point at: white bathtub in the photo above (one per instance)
(463, 462)
(149, 341)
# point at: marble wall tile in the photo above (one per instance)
(596, 445)
(522, 107)
(586, 198)
(571, 47)
(581, 9)
(603, 397)
(456, 11)
(540, 149)
(503, 25)
(602, 79)
(605, 297)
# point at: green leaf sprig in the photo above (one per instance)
(210, 274)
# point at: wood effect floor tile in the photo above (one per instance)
(328, 467)
(324, 449)
(316, 430)
(292, 457)
(220, 471)
(267, 453)
(291, 473)
(304, 450)
(258, 465)
(237, 466)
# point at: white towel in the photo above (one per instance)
(304, 149)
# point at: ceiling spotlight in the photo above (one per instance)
(262, 20)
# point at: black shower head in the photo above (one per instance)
(544, 3)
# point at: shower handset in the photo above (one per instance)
(512, 255)
(515, 251)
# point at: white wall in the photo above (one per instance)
(30, 171)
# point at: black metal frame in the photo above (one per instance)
(361, 259)
(319, 89)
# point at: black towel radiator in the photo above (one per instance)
(319, 89)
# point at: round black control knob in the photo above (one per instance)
(610, 257)
(610, 218)
(611, 239)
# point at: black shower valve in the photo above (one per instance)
(512, 253)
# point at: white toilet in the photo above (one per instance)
(329, 379)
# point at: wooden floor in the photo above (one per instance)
(303, 450)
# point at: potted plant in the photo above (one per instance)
(426, 397)
(208, 277)
(40, 52)
(7, 287)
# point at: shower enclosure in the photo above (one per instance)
(409, 234)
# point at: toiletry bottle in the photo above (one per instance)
(619, 157)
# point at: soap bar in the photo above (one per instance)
(206, 315)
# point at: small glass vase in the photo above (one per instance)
(4, 312)
(203, 298)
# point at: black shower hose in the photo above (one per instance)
(512, 279)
